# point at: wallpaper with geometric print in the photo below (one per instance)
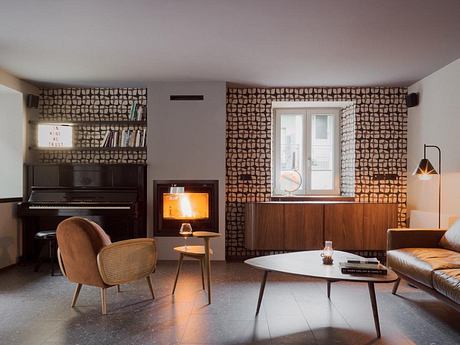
(92, 105)
(379, 140)
(347, 151)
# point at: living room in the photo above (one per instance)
(174, 172)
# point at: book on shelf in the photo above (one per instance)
(362, 268)
(124, 138)
(105, 139)
(132, 112)
(140, 111)
(144, 134)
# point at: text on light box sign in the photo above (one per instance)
(50, 135)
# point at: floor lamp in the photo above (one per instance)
(425, 171)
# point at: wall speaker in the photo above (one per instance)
(32, 101)
(412, 100)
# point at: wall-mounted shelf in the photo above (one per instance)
(96, 122)
(88, 149)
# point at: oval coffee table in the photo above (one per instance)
(309, 264)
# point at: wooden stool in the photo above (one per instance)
(201, 253)
(46, 236)
(195, 252)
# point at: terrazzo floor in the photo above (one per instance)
(35, 309)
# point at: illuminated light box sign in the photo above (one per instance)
(51, 135)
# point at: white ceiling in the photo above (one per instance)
(257, 42)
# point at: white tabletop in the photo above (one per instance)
(309, 264)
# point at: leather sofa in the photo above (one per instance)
(428, 259)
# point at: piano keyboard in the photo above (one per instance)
(56, 207)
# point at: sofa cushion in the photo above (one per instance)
(447, 282)
(418, 263)
(451, 239)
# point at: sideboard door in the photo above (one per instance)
(343, 225)
(264, 226)
(378, 218)
(303, 226)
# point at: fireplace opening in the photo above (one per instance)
(185, 206)
(177, 201)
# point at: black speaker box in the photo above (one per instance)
(412, 100)
(32, 101)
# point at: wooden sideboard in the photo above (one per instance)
(306, 225)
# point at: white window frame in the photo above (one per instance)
(307, 114)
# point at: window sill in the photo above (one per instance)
(311, 198)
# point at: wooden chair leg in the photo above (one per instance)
(118, 288)
(202, 273)
(75, 295)
(181, 258)
(104, 301)
(149, 281)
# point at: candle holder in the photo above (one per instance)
(327, 253)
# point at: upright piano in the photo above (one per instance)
(112, 195)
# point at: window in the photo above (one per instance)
(306, 151)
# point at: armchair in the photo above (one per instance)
(87, 257)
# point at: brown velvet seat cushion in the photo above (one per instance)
(447, 282)
(418, 263)
(451, 239)
(79, 241)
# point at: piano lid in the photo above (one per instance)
(82, 196)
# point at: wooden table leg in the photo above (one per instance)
(329, 289)
(395, 287)
(179, 265)
(208, 266)
(374, 308)
(261, 291)
(202, 272)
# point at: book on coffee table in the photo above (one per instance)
(362, 268)
(373, 261)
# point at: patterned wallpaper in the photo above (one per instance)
(380, 146)
(347, 154)
(88, 105)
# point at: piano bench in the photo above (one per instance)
(49, 237)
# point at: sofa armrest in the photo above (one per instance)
(125, 261)
(413, 238)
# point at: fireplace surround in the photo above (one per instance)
(192, 201)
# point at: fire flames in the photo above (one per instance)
(184, 206)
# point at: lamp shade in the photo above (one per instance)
(425, 169)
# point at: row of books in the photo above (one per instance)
(136, 112)
(367, 266)
(124, 138)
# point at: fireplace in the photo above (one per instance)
(185, 201)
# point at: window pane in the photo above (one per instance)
(291, 151)
(322, 152)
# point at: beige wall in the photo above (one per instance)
(186, 140)
(9, 234)
(436, 121)
(9, 224)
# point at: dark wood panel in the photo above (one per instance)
(265, 226)
(303, 226)
(343, 225)
(378, 218)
